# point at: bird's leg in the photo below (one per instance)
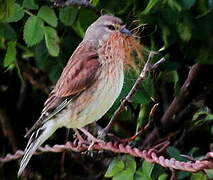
(90, 137)
(78, 138)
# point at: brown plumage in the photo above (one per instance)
(89, 84)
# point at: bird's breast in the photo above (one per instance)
(94, 102)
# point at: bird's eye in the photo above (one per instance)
(111, 27)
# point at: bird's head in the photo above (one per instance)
(104, 26)
(111, 30)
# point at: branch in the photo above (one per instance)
(77, 3)
(180, 101)
(150, 155)
(169, 120)
(7, 129)
(143, 75)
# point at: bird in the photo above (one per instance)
(89, 84)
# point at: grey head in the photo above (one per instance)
(103, 27)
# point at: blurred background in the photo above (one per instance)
(36, 41)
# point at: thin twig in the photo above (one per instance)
(143, 75)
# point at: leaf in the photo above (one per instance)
(184, 31)
(202, 116)
(145, 171)
(7, 32)
(174, 153)
(171, 77)
(115, 167)
(85, 22)
(140, 175)
(6, 8)
(68, 15)
(17, 15)
(52, 41)
(165, 34)
(78, 29)
(124, 175)
(163, 176)
(30, 4)
(150, 6)
(33, 30)
(200, 176)
(174, 5)
(94, 2)
(130, 163)
(141, 96)
(147, 168)
(209, 172)
(10, 55)
(48, 15)
(187, 3)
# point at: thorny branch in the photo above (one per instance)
(151, 155)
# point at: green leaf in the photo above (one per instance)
(30, 4)
(145, 171)
(142, 96)
(48, 15)
(53, 66)
(174, 5)
(171, 77)
(200, 176)
(7, 32)
(130, 163)
(33, 30)
(68, 15)
(124, 175)
(10, 55)
(165, 34)
(140, 175)
(86, 22)
(78, 29)
(202, 116)
(147, 168)
(6, 8)
(17, 15)
(174, 153)
(187, 3)
(115, 167)
(94, 2)
(52, 41)
(184, 31)
(150, 6)
(163, 176)
(209, 172)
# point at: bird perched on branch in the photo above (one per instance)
(89, 84)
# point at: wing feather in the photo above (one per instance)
(77, 76)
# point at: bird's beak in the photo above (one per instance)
(125, 31)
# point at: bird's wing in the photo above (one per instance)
(76, 77)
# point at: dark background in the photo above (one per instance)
(32, 58)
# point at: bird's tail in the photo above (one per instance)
(36, 140)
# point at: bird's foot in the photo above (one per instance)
(90, 138)
(102, 133)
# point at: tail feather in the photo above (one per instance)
(35, 141)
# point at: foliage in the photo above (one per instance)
(37, 39)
